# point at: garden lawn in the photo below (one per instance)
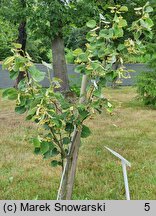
(130, 130)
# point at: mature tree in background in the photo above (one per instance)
(22, 35)
(15, 28)
(15, 12)
(50, 25)
(8, 34)
(8, 31)
(55, 23)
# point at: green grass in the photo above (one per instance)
(130, 130)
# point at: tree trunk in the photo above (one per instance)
(68, 176)
(59, 62)
(22, 35)
(22, 38)
(115, 67)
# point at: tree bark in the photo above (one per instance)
(68, 176)
(115, 67)
(59, 62)
(22, 38)
(22, 35)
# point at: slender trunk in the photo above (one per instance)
(22, 38)
(59, 62)
(68, 176)
(115, 67)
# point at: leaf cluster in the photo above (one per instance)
(56, 114)
(107, 44)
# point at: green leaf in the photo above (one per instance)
(36, 142)
(46, 155)
(109, 76)
(149, 22)
(103, 81)
(90, 37)
(54, 152)
(121, 47)
(116, 18)
(59, 163)
(20, 109)
(54, 163)
(80, 69)
(83, 57)
(91, 24)
(100, 42)
(22, 85)
(148, 9)
(122, 23)
(97, 93)
(32, 111)
(69, 127)
(70, 58)
(37, 151)
(111, 32)
(123, 9)
(101, 53)
(118, 31)
(96, 65)
(84, 113)
(37, 75)
(85, 131)
(10, 93)
(14, 75)
(66, 140)
(143, 24)
(77, 52)
(105, 33)
(44, 147)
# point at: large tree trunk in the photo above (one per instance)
(68, 176)
(59, 62)
(22, 35)
(22, 38)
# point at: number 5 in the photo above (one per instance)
(147, 207)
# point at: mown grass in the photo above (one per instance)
(131, 131)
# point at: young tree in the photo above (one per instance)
(64, 119)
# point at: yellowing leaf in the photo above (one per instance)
(8, 61)
(123, 9)
(17, 45)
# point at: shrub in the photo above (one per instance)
(146, 87)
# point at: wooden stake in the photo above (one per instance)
(68, 175)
